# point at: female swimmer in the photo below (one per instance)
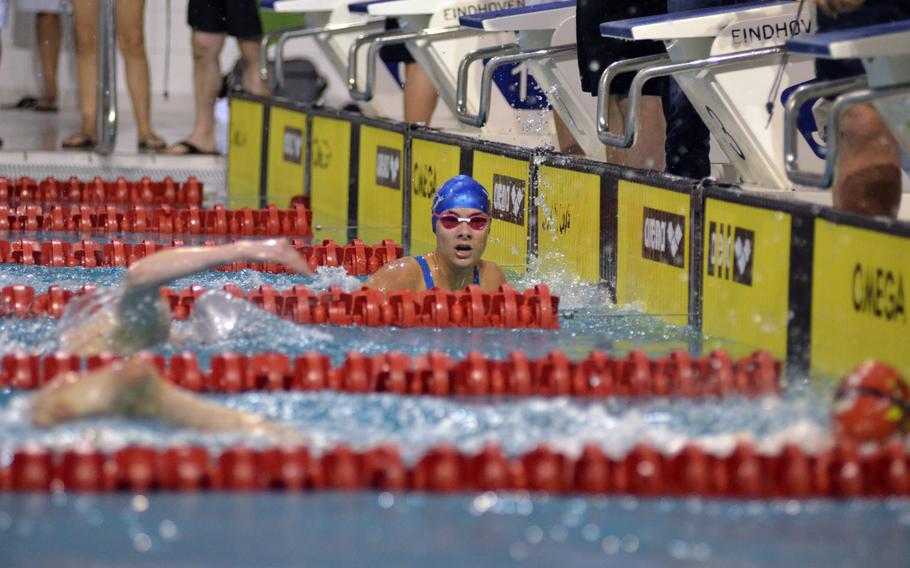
(461, 221)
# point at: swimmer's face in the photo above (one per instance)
(461, 245)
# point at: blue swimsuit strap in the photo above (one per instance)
(428, 276)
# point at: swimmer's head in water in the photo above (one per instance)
(460, 192)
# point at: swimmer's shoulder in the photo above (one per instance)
(401, 274)
(491, 275)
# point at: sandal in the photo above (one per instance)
(152, 144)
(78, 142)
(188, 149)
(25, 103)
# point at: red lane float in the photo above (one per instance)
(596, 376)
(357, 258)
(791, 473)
(99, 191)
(470, 307)
(293, 222)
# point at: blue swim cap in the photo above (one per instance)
(460, 192)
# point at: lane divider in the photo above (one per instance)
(358, 258)
(471, 307)
(436, 374)
(842, 471)
(293, 222)
(99, 191)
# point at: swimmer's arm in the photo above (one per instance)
(402, 274)
(154, 271)
(492, 276)
(134, 387)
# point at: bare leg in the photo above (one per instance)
(206, 81)
(131, 39)
(249, 50)
(648, 153)
(419, 95)
(86, 27)
(868, 177)
(134, 387)
(567, 142)
(47, 30)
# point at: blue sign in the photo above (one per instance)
(519, 88)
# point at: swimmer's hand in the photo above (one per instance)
(275, 250)
(836, 7)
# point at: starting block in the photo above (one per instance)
(332, 26)
(885, 52)
(728, 61)
(546, 43)
(433, 34)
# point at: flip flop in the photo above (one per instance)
(25, 103)
(191, 150)
(78, 142)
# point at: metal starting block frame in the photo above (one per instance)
(546, 42)
(727, 61)
(332, 26)
(885, 52)
(433, 34)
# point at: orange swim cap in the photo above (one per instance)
(871, 404)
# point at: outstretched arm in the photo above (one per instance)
(158, 269)
(134, 387)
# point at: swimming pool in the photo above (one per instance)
(391, 528)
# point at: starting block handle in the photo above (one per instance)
(636, 92)
(461, 90)
(486, 81)
(377, 41)
(855, 91)
(615, 69)
(286, 34)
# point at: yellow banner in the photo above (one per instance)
(244, 175)
(746, 275)
(652, 272)
(506, 179)
(432, 163)
(287, 153)
(568, 218)
(859, 299)
(380, 206)
(330, 159)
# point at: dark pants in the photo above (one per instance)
(688, 140)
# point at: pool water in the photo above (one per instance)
(479, 530)
(385, 529)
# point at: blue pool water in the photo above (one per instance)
(592, 323)
(384, 529)
(479, 530)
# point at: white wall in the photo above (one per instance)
(19, 64)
